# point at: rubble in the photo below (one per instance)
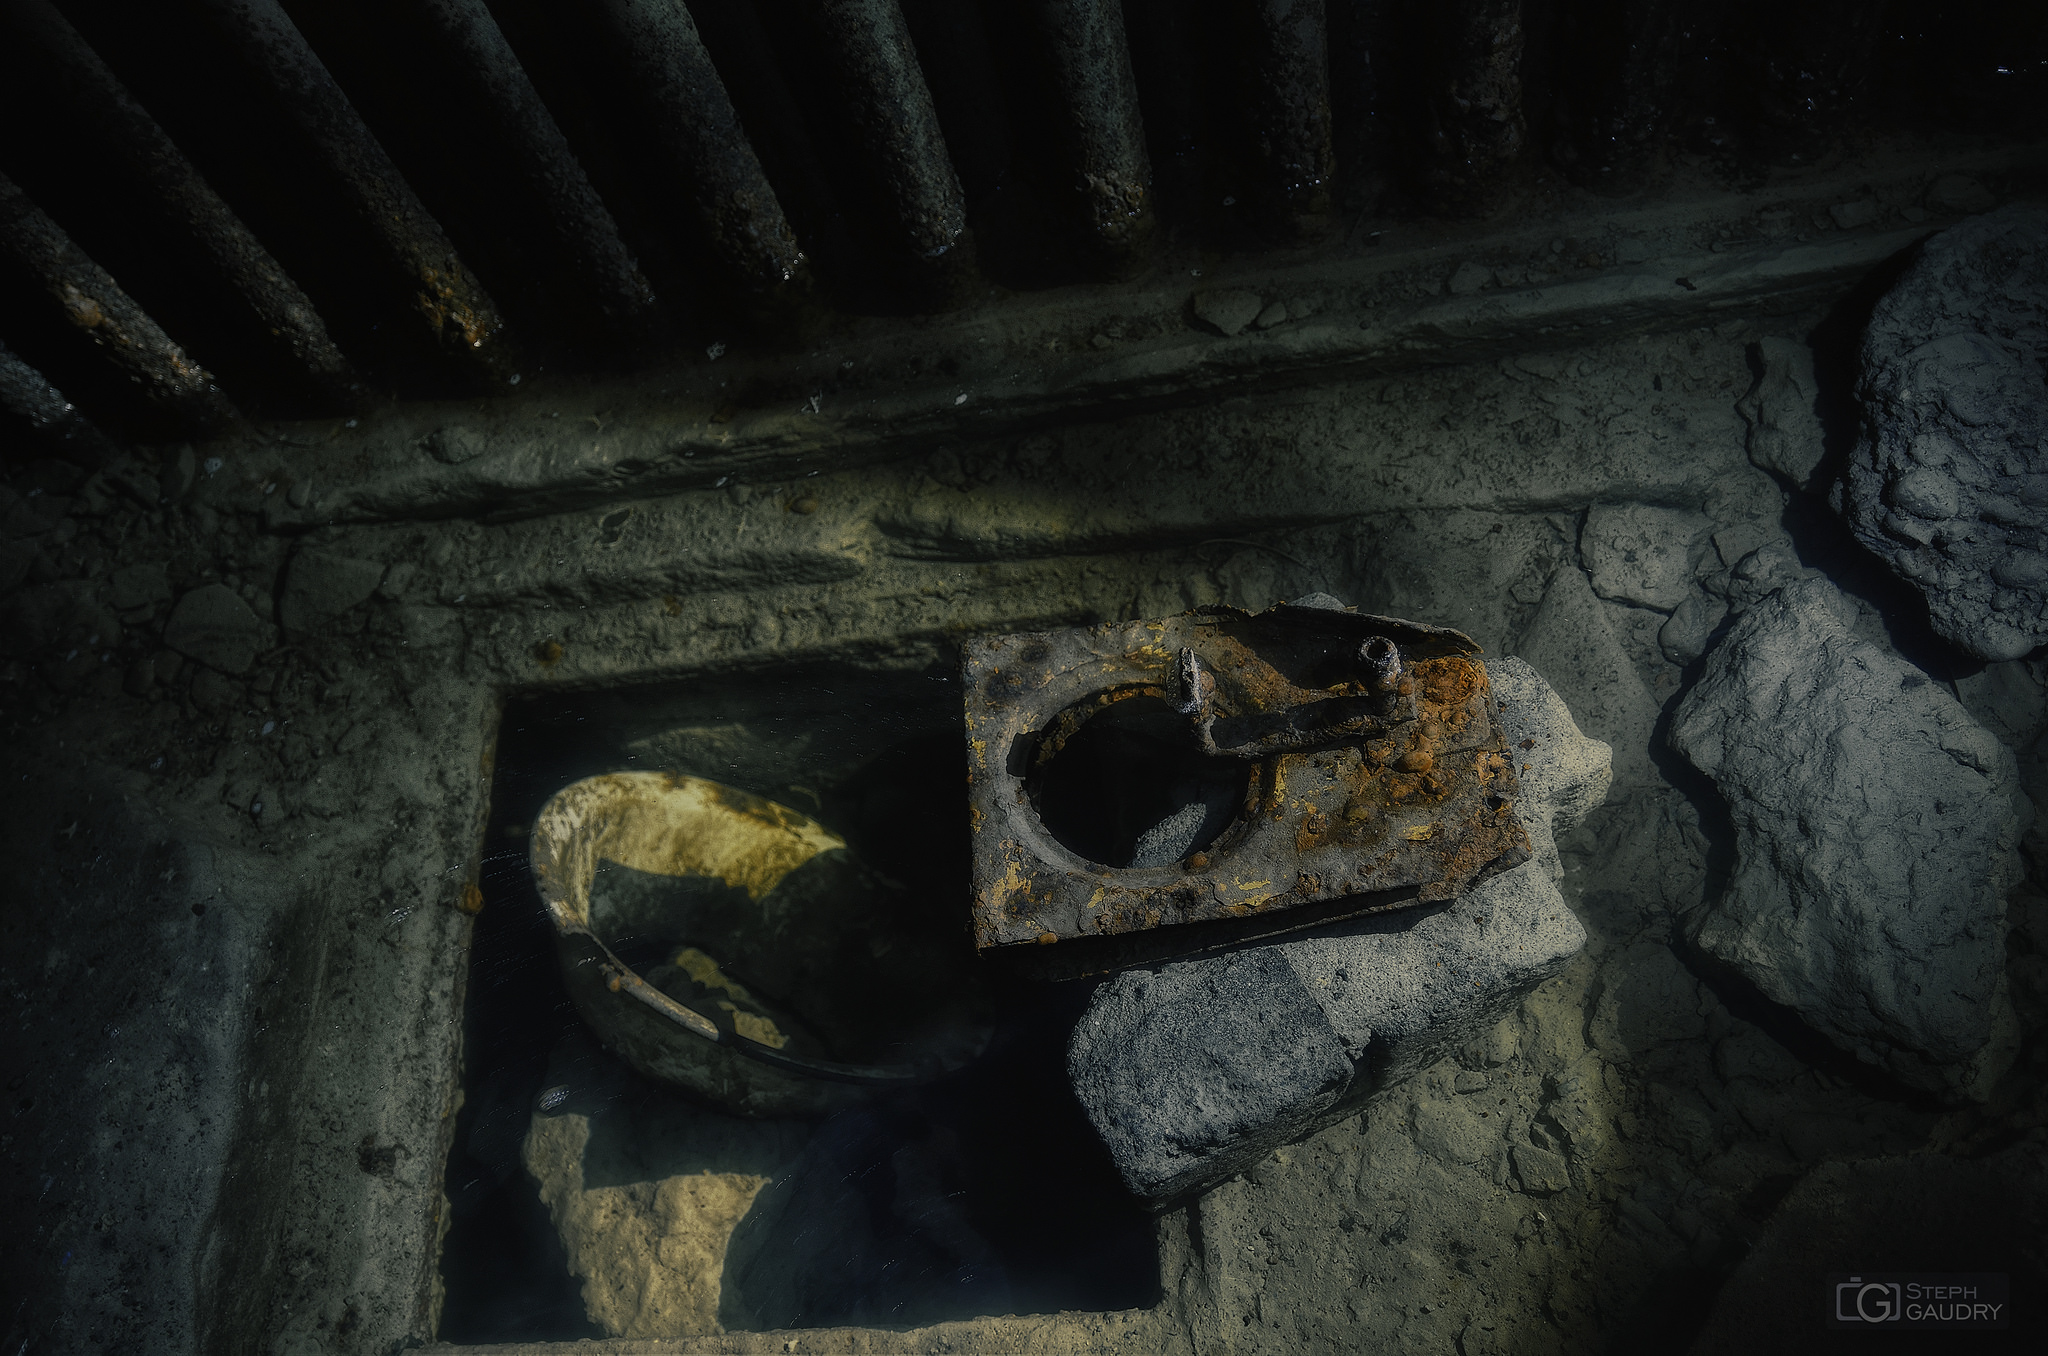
(1876, 836)
(1785, 434)
(212, 625)
(1948, 482)
(1642, 554)
(321, 585)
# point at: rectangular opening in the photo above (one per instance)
(589, 1200)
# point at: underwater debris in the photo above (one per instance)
(1308, 764)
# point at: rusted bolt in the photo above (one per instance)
(1382, 659)
(548, 652)
(1198, 861)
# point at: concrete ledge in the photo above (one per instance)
(1027, 361)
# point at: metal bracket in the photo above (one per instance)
(1300, 765)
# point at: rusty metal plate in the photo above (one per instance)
(1294, 766)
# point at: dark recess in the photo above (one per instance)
(1022, 1171)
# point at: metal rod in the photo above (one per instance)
(1290, 108)
(29, 395)
(1170, 60)
(455, 305)
(1362, 107)
(960, 69)
(1473, 105)
(612, 279)
(733, 32)
(1098, 99)
(93, 94)
(869, 46)
(695, 122)
(95, 304)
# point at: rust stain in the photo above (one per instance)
(1380, 783)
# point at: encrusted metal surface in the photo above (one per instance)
(92, 96)
(94, 303)
(697, 126)
(446, 294)
(1369, 750)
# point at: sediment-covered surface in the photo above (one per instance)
(238, 1061)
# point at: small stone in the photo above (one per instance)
(1275, 314)
(1763, 572)
(1733, 543)
(1452, 1132)
(1205, 811)
(1785, 435)
(1925, 493)
(300, 494)
(1684, 636)
(1099, 342)
(1228, 310)
(1641, 554)
(1541, 1172)
(396, 580)
(1494, 1047)
(321, 585)
(214, 693)
(1850, 215)
(139, 586)
(455, 444)
(212, 625)
(1469, 277)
